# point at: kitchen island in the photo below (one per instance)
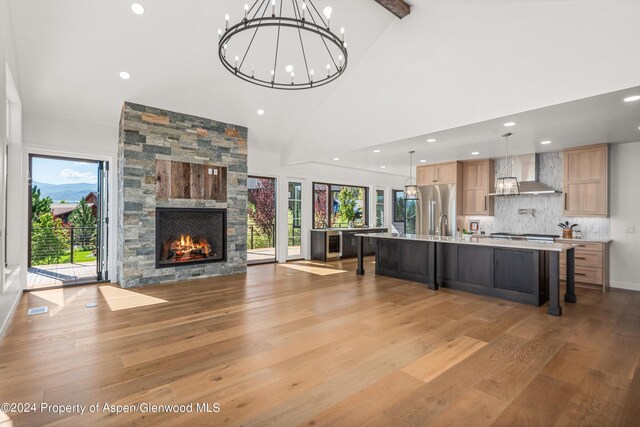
(521, 271)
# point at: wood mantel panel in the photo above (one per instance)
(397, 7)
(181, 180)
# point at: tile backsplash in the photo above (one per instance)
(548, 208)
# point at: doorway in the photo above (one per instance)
(68, 221)
(294, 220)
(261, 220)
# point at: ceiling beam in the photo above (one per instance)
(400, 8)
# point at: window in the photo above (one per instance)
(338, 206)
(379, 208)
(398, 205)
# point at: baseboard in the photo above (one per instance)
(625, 285)
(12, 310)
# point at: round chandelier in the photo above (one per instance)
(283, 44)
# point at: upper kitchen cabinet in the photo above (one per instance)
(586, 181)
(477, 183)
(442, 173)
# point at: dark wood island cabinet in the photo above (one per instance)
(525, 272)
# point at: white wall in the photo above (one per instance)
(624, 174)
(68, 138)
(10, 278)
(264, 163)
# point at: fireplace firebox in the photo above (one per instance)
(190, 236)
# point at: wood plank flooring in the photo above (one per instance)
(300, 347)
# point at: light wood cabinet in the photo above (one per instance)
(477, 183)
(425, 175)
(442, 173)
(591, 263)
(586, 181)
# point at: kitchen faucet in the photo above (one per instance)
(443, 224)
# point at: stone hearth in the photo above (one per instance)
(149, 134)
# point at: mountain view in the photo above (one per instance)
(71, 193)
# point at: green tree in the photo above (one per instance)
(49, 240)
(348, 201)
(84, 224)
(39, 205)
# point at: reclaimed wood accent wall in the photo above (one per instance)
(180, 180)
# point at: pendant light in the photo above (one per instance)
(411, 189)
(507, 185)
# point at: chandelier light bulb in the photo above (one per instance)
(246, 10)
(219, 34)
(304, 9)
(237, 61)
(288, 68)
(342, 33)
(292, 77)
(311, 76)
(252, 70)
(226, 21)
(273, 7)
(327, 12)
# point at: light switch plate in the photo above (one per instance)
(631, 229)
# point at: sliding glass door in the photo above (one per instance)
(261, 220)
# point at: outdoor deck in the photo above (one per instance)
(46, 276)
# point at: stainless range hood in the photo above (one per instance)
(527, 169)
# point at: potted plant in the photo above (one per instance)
(567, 230)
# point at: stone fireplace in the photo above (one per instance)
(182, 197)
(190, 236)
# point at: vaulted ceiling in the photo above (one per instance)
(449, 63)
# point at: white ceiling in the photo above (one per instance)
(593, 120)
(450, 63)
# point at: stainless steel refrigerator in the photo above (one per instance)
(436, 209)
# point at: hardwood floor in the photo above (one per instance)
(318, 345)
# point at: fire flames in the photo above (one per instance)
(186, 248)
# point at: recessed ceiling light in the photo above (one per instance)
(125, 75)
(509, 124)
(632, 98)
(260, 112)
(376, 151)
(336, 158)
(431, 140)
(137, 8)
(383, 167)
(475, 153)
(423, 161)
(288, 68)
(545, 142)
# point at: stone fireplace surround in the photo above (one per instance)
(148, 134)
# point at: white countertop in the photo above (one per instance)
(350, 229)
(477, 241)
